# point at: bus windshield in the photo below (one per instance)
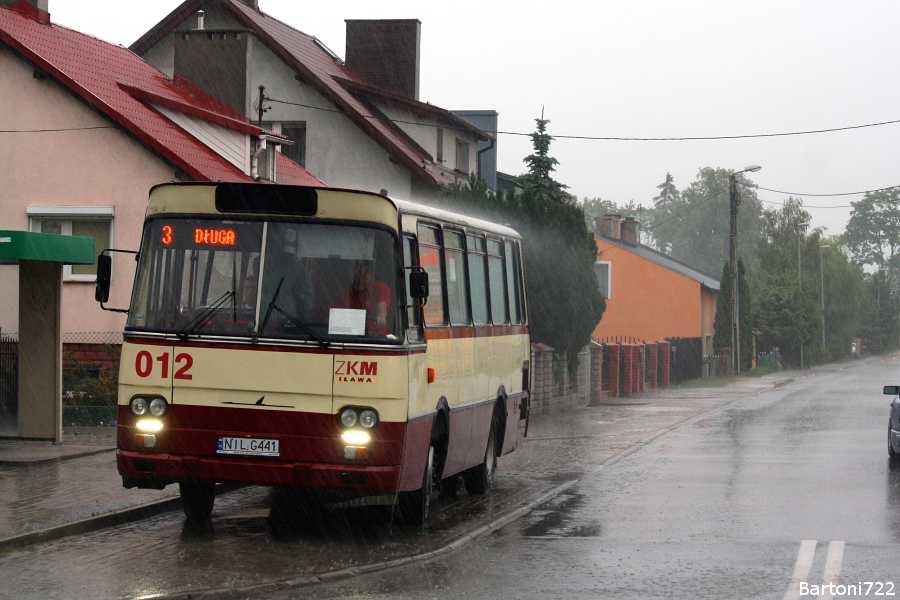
(307, 281)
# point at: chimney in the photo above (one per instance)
(36, 9)
(386, 53)
(630, 230)
(608, 226)
(200, 14)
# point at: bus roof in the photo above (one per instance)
(163, 201)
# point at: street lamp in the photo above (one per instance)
(822, 277)
(800, 277)
(734, 201)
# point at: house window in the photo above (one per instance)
(86, 221)
(296, 132)
(602, 269)
(462, 156)
(440, 145)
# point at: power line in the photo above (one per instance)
(56, 130)
(606, 138)
(893, 187)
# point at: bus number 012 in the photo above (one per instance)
(143, 364)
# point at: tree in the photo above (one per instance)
(564, 295)
(787, 312)
(696, 229)
(722, 324)
(540, 165)
(723, 321)
(745, 318)
(668, 195)
(873, 231)
(844, 293)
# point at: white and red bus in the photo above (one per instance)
(326, 340)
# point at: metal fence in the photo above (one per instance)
(90, 367)
(9, 384)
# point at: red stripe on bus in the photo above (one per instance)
(447, 333)
(264, 348)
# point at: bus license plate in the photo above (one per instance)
(248, 446)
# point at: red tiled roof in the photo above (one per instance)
(115, 81)
(331, 78)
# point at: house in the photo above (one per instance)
(355, 123)
(649, 296)
(87, 129)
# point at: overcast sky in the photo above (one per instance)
(640, 69)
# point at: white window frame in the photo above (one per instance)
(68, 214)
(608, 276)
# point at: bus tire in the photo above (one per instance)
(478, 479)
(414, 505)
(197, 499)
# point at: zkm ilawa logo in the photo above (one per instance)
(355, 371)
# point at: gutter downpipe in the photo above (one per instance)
(254, 160)
(479, 153)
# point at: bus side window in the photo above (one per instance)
(499, 304)
(457, 284)
(513, 282)
(478, 280)
(412, 312)
(430, 260)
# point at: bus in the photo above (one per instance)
(336, 342)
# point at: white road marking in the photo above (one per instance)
(801, 568)
(832, 567)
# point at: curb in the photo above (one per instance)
(121, 517)
(53, 459)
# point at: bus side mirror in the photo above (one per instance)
(104, 272)
(418, 285)
(891, 390)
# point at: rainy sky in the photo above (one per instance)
(641, 69)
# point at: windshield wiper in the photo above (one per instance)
(323, 343)
(200, 319)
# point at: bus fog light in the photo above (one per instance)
(348, 417)
(158, 407)
(355, 437)
(149, 425)
(145, 440)
(368, 418)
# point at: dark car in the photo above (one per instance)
(894, 426)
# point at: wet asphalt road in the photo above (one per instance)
(718, 507)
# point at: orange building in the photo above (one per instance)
(649, 296)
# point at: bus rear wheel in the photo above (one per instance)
(197, 499)
(478, 479)
(414, 505)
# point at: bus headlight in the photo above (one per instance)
(368, 418)
(348, 417)
(139, 406)
(158, 407)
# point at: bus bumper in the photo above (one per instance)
(143, 469)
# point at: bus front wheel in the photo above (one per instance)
(197, 499)
(478, 479)
(414, 505)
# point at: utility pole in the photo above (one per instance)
(822, 278)
(800, 277)
(734, 202)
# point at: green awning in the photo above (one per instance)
(25, 245)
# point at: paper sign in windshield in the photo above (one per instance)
(346, 321)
